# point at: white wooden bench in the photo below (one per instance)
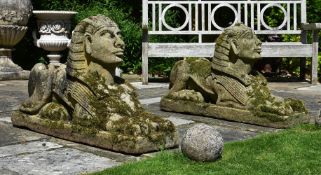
(199, 21)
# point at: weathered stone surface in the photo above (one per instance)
(120, 142)
(84, 101)
(9, 70)
(178, 121)
(56, 161)
(18, 75)
(228, 81)
(11, 35)
(202, 142)
(232, 114)
(10, 135)
(27, 148)
(15, 12)
(14, 15)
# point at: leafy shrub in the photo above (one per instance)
(126, 13)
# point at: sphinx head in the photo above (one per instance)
(245, 44)
(237, 42)
(95, 39)
(103, 42)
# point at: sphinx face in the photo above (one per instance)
(249, 47)
(107, 47)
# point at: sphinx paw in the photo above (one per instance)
(189, 95)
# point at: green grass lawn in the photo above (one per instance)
(293, 151)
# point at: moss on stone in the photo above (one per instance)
(54, 111)
(260, 93)
(88, 131)
(263, 104)
(188, 95)
(268, 114)
(259, 96)
(191, 59)
(133, 121)
(200, 67)
(296, 105)
(151, 126)
(109, 96)
(54, 124)
(85, 125)
(28, 104)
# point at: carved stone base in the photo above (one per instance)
(102, 139)
(232, 114)
(8, 69)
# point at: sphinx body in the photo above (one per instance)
(227, 87)
(84, 101)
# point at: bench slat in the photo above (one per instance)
(217, 32)
(275, 49)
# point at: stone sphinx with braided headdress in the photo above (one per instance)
(84, 101)
(227, 87)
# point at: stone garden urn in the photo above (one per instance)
(14, 15)
(54, 30)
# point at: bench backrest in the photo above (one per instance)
(199, 16)
(199, 21)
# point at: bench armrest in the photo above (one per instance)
(311, 26)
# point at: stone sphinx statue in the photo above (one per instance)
(227, 87)
(84, 101)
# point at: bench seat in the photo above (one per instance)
(269, 49)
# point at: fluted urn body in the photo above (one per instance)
(54, 30)
(14, 15)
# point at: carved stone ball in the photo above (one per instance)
(202, 142)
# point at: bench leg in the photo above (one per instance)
(314, 62)
(145, 70)
(145, 57)
(145, 64)
(303, 63)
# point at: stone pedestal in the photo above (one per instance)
(14, 15)
(8, 69)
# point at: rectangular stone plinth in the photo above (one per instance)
(226, 113)
(102, 139)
